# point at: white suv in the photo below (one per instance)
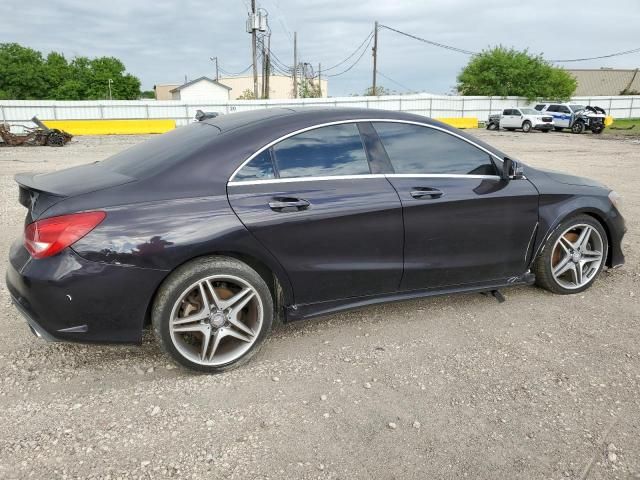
(526, 119)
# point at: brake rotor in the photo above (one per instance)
(555, 258)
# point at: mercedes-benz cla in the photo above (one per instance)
(214, 230)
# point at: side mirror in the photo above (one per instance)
(511, 170)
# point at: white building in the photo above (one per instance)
(201, 89)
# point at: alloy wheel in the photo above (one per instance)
(216, 320)
(577, 256)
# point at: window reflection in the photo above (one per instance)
(416, 149)
(326, 151)
(260, 168)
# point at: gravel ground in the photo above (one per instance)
(541, 386)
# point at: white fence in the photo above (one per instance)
(21, 111)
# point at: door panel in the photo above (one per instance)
(336, 238)
(472, 229)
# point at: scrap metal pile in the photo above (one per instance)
(41, 135)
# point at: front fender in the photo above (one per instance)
(554, 209)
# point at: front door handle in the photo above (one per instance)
(426, 192)
(280, 204)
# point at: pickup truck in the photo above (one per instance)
(526, 119)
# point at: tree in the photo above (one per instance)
(148, 94)
(25, 74)
(309, 89)
(247, 95)
(379, 91)
(504, 72)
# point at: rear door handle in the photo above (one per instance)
(426, 192)
(279, 204)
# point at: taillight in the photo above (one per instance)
(51, 235)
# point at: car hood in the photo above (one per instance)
(569, 179)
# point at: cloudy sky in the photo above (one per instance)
(161, 41)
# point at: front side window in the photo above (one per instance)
(259, 168)
(414, 149)
(563, 109)
(325, 151)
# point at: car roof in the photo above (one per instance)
(298, 117)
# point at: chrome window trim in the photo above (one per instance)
(340, 122)
(267, 181)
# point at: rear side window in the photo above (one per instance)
(552, 108)
(539, 107)
(259, 168)
(423, 150)
(326, 151)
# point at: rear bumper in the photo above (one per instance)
(68, 298)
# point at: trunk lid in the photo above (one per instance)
(40, 191)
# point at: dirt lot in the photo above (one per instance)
(541, 386)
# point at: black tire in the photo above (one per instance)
(174, 286)
(492, 126)
(598, 130)
(526, 126)
(577, 127)
(543, 262)
(558, 129)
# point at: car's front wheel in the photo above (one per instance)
(213, 314)
(573, 256)
(526, 126)
(578, 127)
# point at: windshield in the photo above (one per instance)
(529, 111)
(576, 108)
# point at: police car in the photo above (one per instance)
(574, 116)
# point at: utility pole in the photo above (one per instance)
(264, 68)
(215, 59)
(254, 49)
(267, 72)
(320, 80)
(375, 56)
(295, 64)
(109, 82)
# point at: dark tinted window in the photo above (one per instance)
(325, 151)
(564, 109)
(506, 112)
(552, 108)
(260, 168)
(416, 149)
(539, 107)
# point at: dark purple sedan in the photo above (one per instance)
(211, 232)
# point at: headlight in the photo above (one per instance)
(616, 200)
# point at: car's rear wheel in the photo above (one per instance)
(526, 126)
(213, 314)
(573, 256)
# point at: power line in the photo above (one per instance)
(617, 54)
(469, 52)
(430, 42)
(230, 74)
(356, 61)
(368, 37)
(393, 81)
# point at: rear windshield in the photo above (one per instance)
(162, 151)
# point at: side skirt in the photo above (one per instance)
(311, 310)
